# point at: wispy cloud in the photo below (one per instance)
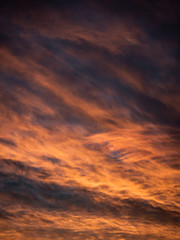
(89, 120)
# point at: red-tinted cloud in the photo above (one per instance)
(89, 133)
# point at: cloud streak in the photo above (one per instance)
(89, 123)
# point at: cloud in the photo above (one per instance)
(9, 166)
(89, 102)
(52, 196)
(51, 159)
(7, 142)
(4, 214)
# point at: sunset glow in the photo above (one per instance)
(89, 120)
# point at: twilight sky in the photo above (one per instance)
(89, 120)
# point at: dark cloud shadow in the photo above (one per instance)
(8, 142)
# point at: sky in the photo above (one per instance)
(89, 120)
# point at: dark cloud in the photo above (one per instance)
(8, 142)
(4, 215)
(51, 159)
(10, 166)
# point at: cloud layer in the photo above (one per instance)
(89, 120)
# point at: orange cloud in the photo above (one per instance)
(89, 131)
